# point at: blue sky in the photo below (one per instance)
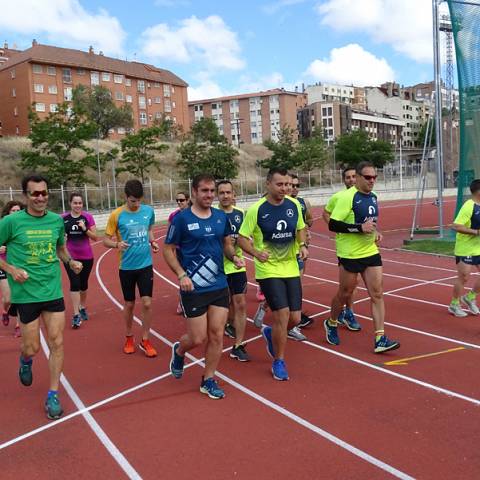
(226, 47)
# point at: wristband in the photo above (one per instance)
(182, 276)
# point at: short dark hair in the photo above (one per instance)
(365, 164)
(185, 194)
(224, 182)
(280, 170)
(202, 177)
(294, 176)
(32, 178)
(73, 195)
(134, 188)
(475, 186)
(8, 206)
(347, 169)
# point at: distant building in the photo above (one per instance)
(45, 76)
(250, 118)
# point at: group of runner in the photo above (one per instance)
(204, 248)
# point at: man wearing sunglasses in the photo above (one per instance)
(35, 240)
(354, 220)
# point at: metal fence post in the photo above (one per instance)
(108, 196)
(309, 180)
(86, 195)
(63, 199)
(11, 193)
(151, 190)
(190, 187)
(171, 189)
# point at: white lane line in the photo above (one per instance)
(112, 449)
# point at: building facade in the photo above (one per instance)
(42, 77)
(250, 118)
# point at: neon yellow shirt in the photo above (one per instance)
(332, 201)
(469, 216)
(352, 207)
(274, 229)
(235, 217)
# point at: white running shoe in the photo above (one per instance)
(295, 334)
(456, 309)
(471, 304)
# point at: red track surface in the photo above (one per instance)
(343, 415)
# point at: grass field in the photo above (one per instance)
(442, 247)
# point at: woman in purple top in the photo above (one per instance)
(79, 229)
(8, 311)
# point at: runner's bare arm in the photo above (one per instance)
(64, 256)
(247, 246)
(465, 230)
(18, 274)
(170, 256)
(229, 252)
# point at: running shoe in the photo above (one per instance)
(5, 319)
(210, 387)
(260, 295)
(53, 407)
(16, 332)
(129, 346)
(230, 331)
(347, 319)
(456, 309)
(279, 370)
(179, 309)
(384, 344)
(147, 348)
(76, 321)
(83, 314)
(177, 361)
(267, 335)
(25, 372)
(240, 354)
(296, 334)
(471, 304)
(331, 334)
(305, 321)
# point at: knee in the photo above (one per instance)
(240, 305)
(30, 347)
(215, 336)
(463, 278)
(377, 296)
(147, 303)
(56, 342)
(129, 306)
(198, 338)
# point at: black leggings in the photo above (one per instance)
(79, 283)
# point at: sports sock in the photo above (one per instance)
(52, 393)
(455, 301)
(25, 359)
(471, 295)
(379, 334)
(332, 323)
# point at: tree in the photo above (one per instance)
(139, 152)
(311, 152)
(58, 147)
(97, 105)
(205, 150)
(168, 129)
(423, 132)
(283, 151)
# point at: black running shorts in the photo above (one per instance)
(282, 293)
(79, 283)
(237, 283)
(473, 260)
(3, 275)
(28, 312)
(196, 304)
(142, 278)
(359, 265)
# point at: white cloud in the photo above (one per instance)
(351, 65)
(64, 22)
(204, 87)
(406, 25)
(208, 41)
(262, 83)
(274, 7)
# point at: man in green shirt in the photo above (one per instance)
(275, 223)
(354, 220)
(35, 241)
(467, 253)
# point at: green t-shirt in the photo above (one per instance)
(274, 229)
(469, 216)
(332, 201)
(355, 207)
(32, 245)
(235, 217)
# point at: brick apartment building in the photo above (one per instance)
(250, 118)
(45, 76)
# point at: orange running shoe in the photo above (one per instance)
(147, 348)
(129, 346)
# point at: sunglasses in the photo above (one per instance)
(38, 193)
(295, 185)
(180, 200)
(369, 177)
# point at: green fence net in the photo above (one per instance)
(465, 17)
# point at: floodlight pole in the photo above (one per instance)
(438, 113)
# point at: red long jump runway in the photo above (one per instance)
(343, 414)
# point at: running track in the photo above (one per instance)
(343, 415)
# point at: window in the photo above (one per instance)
(118, 79)
(156, 85)
(141, 102)
(39, 107)
(105, 77)
(67, 75)
(166, 90)
(119, 96)
(14, 92)
(329, 111)
(94, 78)
(168, 106)
(15, 112)
(51, 71)
(53, 107)
(141, 86)
(67, 94)
(80, 71)
(37, 68)
(128, 82)
(52, 89)
(12, 73)
(143, 118)
(38, 88)
(158, 116)
(174, 105)
(17, 130)
(157, 100)
(128, 98)
(324, 112)
(173, 91)
(198, 108)
(149, 102)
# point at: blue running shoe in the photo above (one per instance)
(384, 344)
(83, 314)
(267, 335)
(347, 319)
(25, 372)
(76, 321)
(53, 408)
(332, 334)
(279, 370)
(210, 387)
(176, 363)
